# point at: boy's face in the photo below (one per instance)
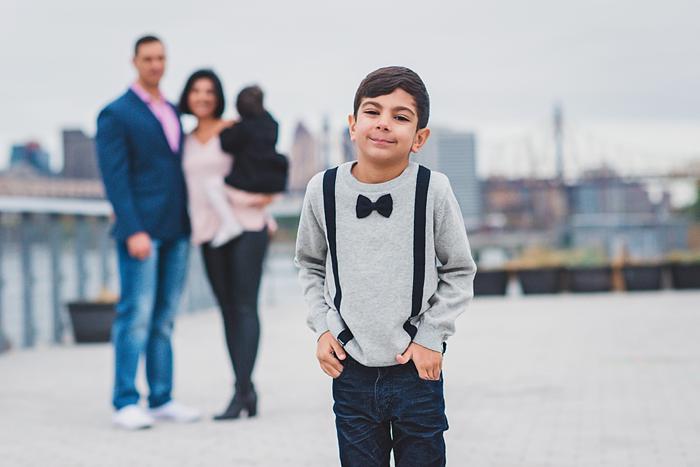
(384, 131)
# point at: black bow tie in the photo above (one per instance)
(384, 205)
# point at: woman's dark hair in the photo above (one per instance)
(218, 90)
(249, 102)
(386, 80)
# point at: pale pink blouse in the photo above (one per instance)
(206, 163)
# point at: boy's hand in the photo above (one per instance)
(329, 353)
(428, 362)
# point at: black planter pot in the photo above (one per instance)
(540, 281)
(492, 282)
(590, 279)
(640, 277)
(92, 321)
(685, 275)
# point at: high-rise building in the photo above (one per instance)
(79, 156)
(31, 156)
(559, 141)
(524, 203)
(454, 154)
(325, 143)
(347, 146)
(304, 159)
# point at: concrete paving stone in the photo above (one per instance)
(544, 381)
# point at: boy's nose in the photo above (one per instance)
(382, 124)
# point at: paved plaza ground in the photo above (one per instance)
(560, 381)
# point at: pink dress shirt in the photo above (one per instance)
(205, 164)
(165, 114)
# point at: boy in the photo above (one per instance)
(379, 305)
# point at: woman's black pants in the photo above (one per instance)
(234, 271)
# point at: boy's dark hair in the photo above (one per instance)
(386, 80)
(249, 102)
(144, 40)
(218, 90)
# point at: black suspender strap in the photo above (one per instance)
(329, 209)
(419, 224)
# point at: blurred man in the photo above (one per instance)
(139, 147)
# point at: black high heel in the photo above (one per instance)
(239, 403)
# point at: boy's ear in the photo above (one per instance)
(351, 126)
(420, 139)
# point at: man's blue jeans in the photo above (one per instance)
(150, 294)
(380, 409)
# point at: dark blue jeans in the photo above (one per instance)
(380, 409)
(150, 295)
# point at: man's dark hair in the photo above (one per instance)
(386, 80)
(144, 40)
(249, 102)
(218, 90)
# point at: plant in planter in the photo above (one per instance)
(92, 320)
(589, 271)
(539, 271)
(685, 269)
(642, 275)
(490, 282)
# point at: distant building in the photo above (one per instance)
(525, 204)
(15, 183)
(79, 156)
(30, 156)
(305, 160)
(347, 146)
(614, 214)
(602, 191)
(600, 211)
(454, 154)
(325, 143)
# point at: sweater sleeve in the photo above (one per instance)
(310, 258)
(456, 270)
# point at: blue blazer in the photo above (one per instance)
(143, 177)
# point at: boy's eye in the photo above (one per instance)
(402, 118)
(371, 112)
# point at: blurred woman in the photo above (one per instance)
(234, 268)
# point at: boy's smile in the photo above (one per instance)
(384, 131)
(381, 141)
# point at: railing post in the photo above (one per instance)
(4, 343)
(56, 248)
(81, 238)
(105, 248)
(26, 239)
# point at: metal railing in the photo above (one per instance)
(50, 258)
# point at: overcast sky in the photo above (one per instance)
(627, 72)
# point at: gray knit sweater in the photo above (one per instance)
(375, 265)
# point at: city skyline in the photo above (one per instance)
(493, 69)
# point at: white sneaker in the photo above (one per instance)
(225, 234)
(132, 417)
(175, 412)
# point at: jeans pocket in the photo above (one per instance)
(346, 365)
(414, 372)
